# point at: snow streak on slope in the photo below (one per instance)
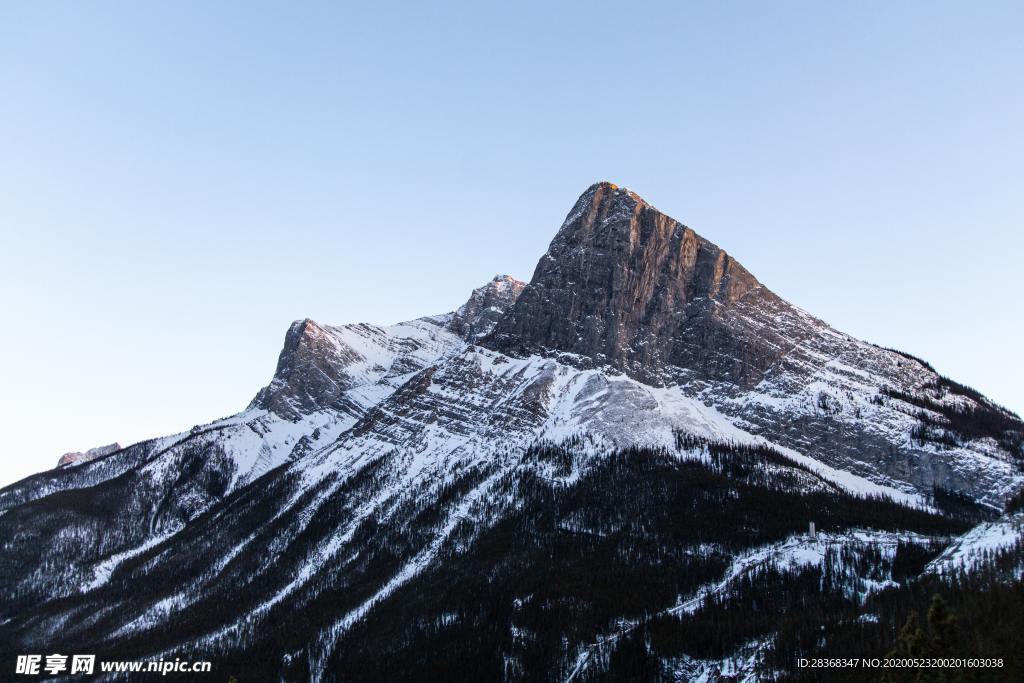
(327, 640)
(103, 570)
(845, 395)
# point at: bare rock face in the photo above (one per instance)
(625, 286)
(79, 458)
(310, 371)
(486, 306)
(622, 284)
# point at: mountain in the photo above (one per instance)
(625, 285)
(487, 305)
(601, 472)
(77, 457)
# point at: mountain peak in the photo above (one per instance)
(606, 187)
(501, 281)
(310, 371)
(626, 285)
(486, 306)
(602, 194)
(603, 186)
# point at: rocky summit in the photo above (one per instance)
(606, 473)
(624, 285)
(487, 305)
(78, 457)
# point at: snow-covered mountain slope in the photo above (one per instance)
(981, 543)
(338, 532)
(351, 367)
(625, 286)
(156, 488)
(644, 411)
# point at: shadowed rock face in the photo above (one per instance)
(625, 285)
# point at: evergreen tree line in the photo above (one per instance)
(557, 567)
(638, 531)
(809, 613)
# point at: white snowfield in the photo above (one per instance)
(615, 410)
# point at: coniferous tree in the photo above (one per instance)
(945, 639)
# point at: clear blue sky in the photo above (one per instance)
(180, 180)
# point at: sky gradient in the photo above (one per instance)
(179, 181)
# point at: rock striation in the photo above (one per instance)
(625, 285)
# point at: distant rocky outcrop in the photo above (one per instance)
(80, 458)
